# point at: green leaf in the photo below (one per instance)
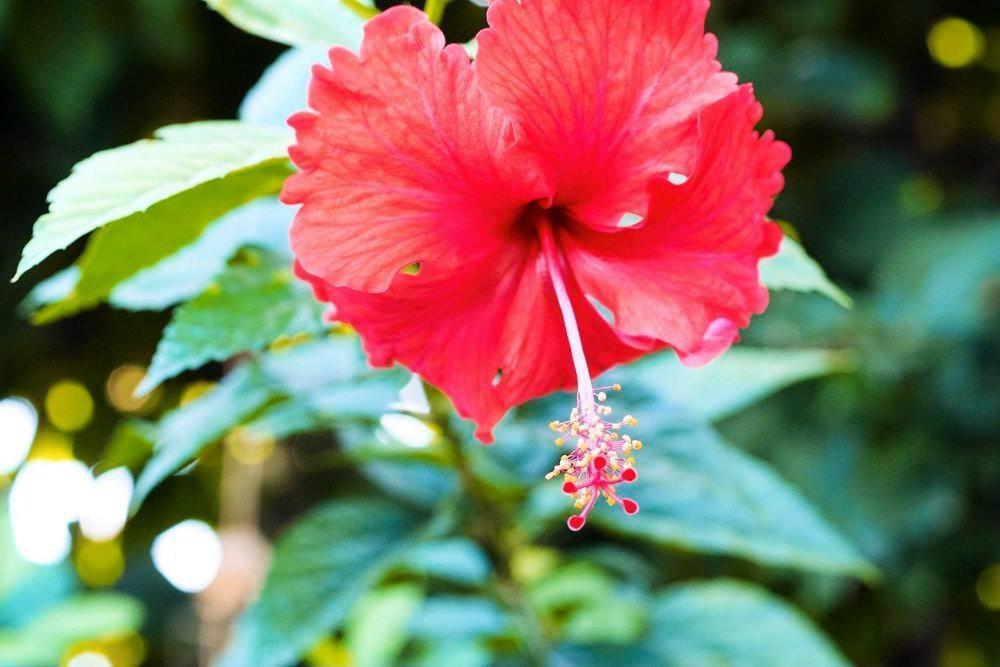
(700, 494)
(456, 559)
(183, 433)
(187, 273)
(451, 616)
(123, 183)
(322, 23)
(732, 623)
(249, 307)
(321, 567)
(282, 89)
(735, 380)
(43, 641)
(376, 630)
(793, 269)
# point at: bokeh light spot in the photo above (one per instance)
(188, 555)
(18, 424)
(69, 406)
(120, 390)
(249, 446)
(89, 659)
(954, 42)
(408, 430)
(988, 587)
(99, 564)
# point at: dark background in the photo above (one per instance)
(894, 187)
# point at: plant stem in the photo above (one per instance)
(493, 525)
(435, 10)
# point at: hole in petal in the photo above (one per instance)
(629, 220)
(412, 269)
(677, 179)
(497, 378)
(602, 310)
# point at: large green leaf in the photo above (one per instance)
(698, 493)
(735, 380)
(377, 628)
(90, 616)
(123, 182)
(322, 23)
(188, 272)
(183, 433)
(321, 567)
(793, 269)
(250, 305)
(732, 623)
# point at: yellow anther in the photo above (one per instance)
(616, 387)
(629, 420)
(560, 442)
(554, 425)
(631, 460)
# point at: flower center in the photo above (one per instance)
(602, 456)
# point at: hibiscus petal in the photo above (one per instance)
(688, 276)
(489, 335)
(605, 92)
(401, 159)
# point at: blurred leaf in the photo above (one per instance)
(732, 623)
(122, 184)
(281, 91)
(187, 273)
(922, 278)
(448, 617)
(285, 418)
(456, 559)
(249, 306)
(698, 493)
(184, 432)
(321, 567)
(131, 444)
(793, 269)
(376, 629)
(43, 641)
(321, 23)
(737, 379)
(465, 652)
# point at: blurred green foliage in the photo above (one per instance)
(796, 470)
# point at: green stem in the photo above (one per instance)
(435, 10)
(361, 9)
(493, 525)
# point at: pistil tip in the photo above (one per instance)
(576, 522)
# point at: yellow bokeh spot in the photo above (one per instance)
(69, 406)
(955, 42)
(329, 653)
(124, 650)
(195, 390)
(51, 446)
(529, 563)
(249, 446)
(988, 587)
(100, 564)
(120, 390)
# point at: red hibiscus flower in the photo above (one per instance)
(592, 178)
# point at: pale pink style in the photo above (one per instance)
(594, 153)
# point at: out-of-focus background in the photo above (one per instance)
(893, 113)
